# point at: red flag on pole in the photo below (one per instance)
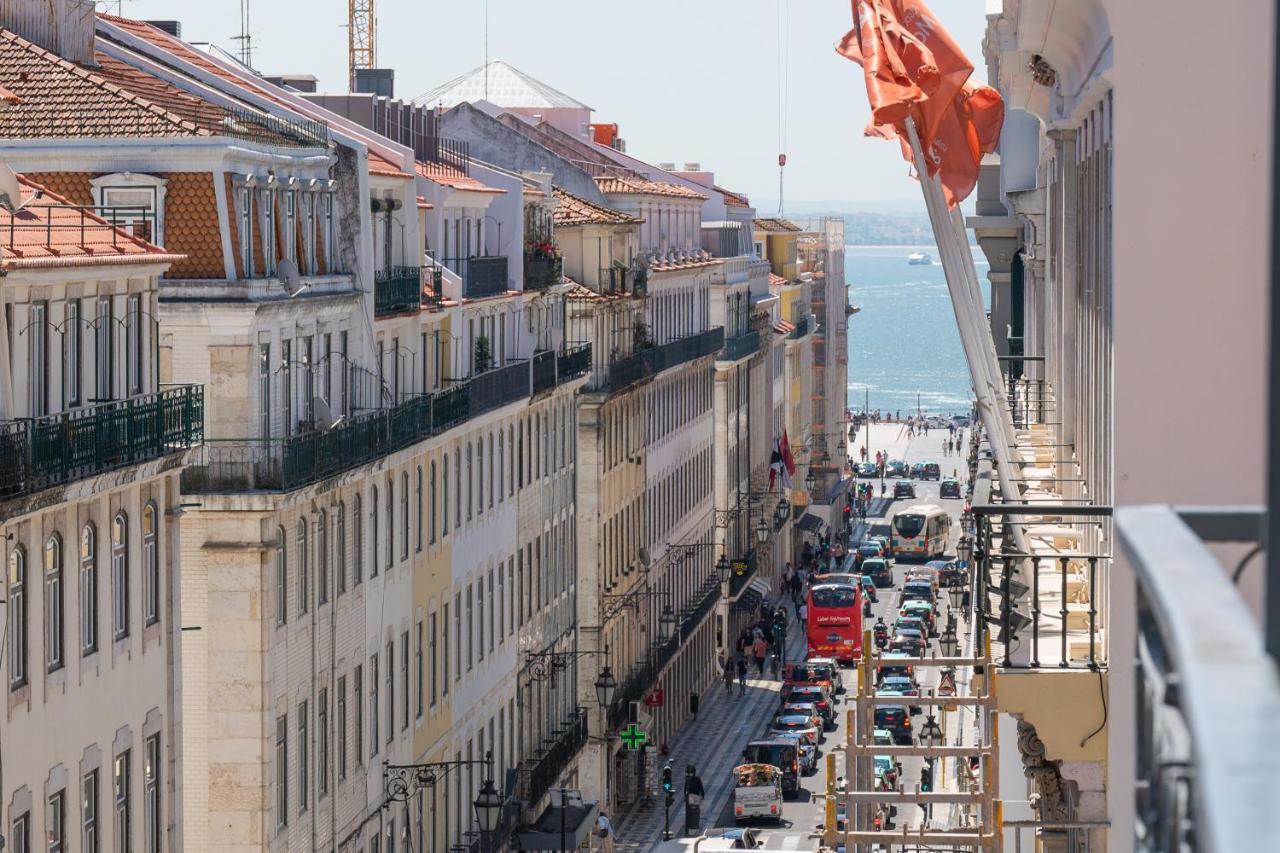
(914, 69)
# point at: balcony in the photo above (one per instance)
(546, 769)
(481, 276)
(544, 370)
(1205, 720)
(58, 449)
(740, 346)
(572, 362)
(285, 464)
(542, 272)
(397, 289)
(644, 363)
(801, 328)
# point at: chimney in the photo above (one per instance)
(173, 28)
(693, 167)
(376, 81)
(667, 167)
(63, 27)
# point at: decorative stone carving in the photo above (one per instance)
(1051, 804)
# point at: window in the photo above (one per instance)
(322, 742)
(309, 232)
(55, 823)
(290, 225)
(432, 504)
(373, 706)
(480, 615)
(479, 481)
(151, 795)
(286, 387)
(431, 650)
(134, 337)
(282, 578)
(245, 196)
(282, 771)
(267, 222)
(17, 617)
(150, 567)
(457, 486)
(418, 498)
(53, 603)
(404, 512)
(304, 570)
(357, 704)
(264, 390)
(38, 359)
(120, 789)
(104, 328)
(471, 483)
(471, 632)
(404, 680)
(502, 604)
(322, 556)
(71, 358)
(488, 472)
(330, 262)
(373, 531)
(491, 608)
(89, 812)
(444, 485)
(304, 770)
(22, 833)
(120, 575)
(307, 366)
(502, 465)
(418, 670)
(340, 546)
(444, 657)
(341, 744)
(135, 203)
(391, 690)
(357, 542)
(391, 522)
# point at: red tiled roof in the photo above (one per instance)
(574, 210)
(732, 199)
(51, 232)
(644, 186)
(782, 327)
(777, 281)
(687, 264)
(423, 204)
(379, 165)
(777, 225)
(449, 176)
(8, 97)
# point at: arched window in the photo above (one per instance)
(89, 589)
(373, 531)
(53, 658)
(304, 569)
(150, 566)
(282, 577)
(120, 576)
(322, 556)
(340, 546)
(357, 541)
(16, 613)
(432, 504)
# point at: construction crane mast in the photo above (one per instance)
(361, 38)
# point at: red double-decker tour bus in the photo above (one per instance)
(835, 621)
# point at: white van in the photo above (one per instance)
(757, 792)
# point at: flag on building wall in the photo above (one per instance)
(780, 463)
(914, 69)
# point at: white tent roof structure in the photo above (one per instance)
(508, 87)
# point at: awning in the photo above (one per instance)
(751, 597)
(810, 523)
(545, 833)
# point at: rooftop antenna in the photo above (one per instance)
(246, 40)
(784, 62)
(361, 38)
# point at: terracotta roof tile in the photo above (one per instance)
(379, 165)
(777, 225)
(449, 176)
(688, 263)
(777, 281)
(732, 199)
(644, 186)
(8, 97)
(52, 232)
(782, 327)
(574, 210)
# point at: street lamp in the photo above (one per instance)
(666, 623)
(931, 732)
(955, 592)
(723, 568)
(810, 481)
(762, 531)
(488, 807)
(964, 549)
(948, 643)
(606, 685)
(784, 509)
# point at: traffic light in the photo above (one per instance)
(666, 777)
(926, 779)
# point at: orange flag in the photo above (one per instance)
(914, 69)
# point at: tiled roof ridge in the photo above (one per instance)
(647, 186)
(616, 217)
(102, 83)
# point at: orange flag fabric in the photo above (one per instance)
(914, 69)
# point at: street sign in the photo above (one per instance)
(633, 737)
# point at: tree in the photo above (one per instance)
(483, 354)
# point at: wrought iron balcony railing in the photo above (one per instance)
(57, 449)
(544, 771)
(741, 346)
(397, 289)
(1205, 720)
(544, 370)
(542, 272)
(801, 329)
(629, 369)
(573, 361)
(481, 276)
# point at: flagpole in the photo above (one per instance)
(985, 389)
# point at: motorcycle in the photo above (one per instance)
(880, 632)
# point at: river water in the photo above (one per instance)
(904, 349)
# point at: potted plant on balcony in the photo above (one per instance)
(642, 335)
(483, 354)
(541, 263)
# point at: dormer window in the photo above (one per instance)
(133, 202)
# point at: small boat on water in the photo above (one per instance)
(919, 259)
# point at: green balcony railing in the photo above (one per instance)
(285, 464)
(801, 329)
(573, 362)
(741, 346)
(57, 449)
(541, 272)
(397, 289)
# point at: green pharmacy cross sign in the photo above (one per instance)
(634, 737)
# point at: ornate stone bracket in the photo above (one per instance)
(1044, 775)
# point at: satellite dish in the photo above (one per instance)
(10, 189)
(290, 279)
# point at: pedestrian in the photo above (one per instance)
(742, 675)
(758, 650)
(803, 615)
(728, 677)
(604, 832)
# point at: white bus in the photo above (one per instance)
(921, 532)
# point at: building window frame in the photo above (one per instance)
(151, 577)
(54, 649)
(120, 575)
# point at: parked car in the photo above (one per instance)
(913, 622)
(896, 468)
(917, 470)
(949, 488)
(867, 470)
(949, 574)
(888, 668)
(783, 752)
(803, 709)
(897, 719)
(904, 489)
(923, 611)
(932, 471)
(920, 589)
(818, 695)
(796, 724)
(879, 570)
(909, 642)
(898, 685)
(869, 588)
(829, 672)
(870, 548)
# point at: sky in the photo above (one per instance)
(686, 80)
